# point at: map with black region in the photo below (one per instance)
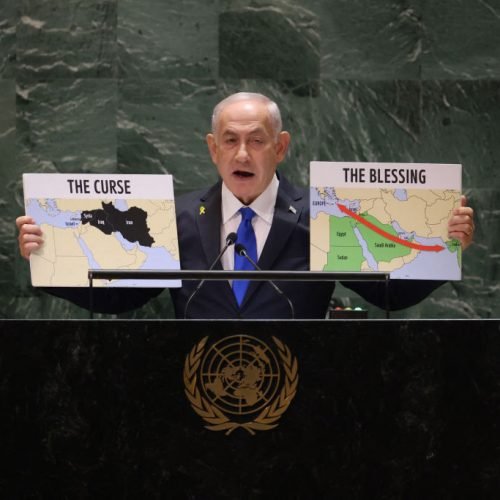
(130, 223)
(85, 228)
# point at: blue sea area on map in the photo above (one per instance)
(352, 205)
(156, 258)
(366, 253)
(121, 205)
(328, 203)
(442, 265)
(404, 235)
(401, 194)
(324, 204)
(431, 265)
(50, 214)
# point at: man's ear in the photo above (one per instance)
(212, 147)
(282, 145)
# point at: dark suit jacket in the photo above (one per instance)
(286, 248)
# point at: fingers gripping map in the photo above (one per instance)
(385, 217)
(102, 222)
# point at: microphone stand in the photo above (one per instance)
(241, 250)
(231, 238)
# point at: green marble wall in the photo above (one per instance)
(128, 86)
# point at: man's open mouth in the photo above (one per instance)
(243, 173)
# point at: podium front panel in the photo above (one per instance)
(265, 409)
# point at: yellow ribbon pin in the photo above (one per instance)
(202, 210)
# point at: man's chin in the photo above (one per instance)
(244, 195)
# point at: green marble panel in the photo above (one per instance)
(363, 39)
(105, 86)
(370, 120)
(10, 206)
(270, 40)
(7, 130)
(438, 122)
(462, 39)
(8, 19)
(162, 125)
(67, 125)
(167, 39)
(74, 38)
(479, 291)
(450, 39)
(461, 124)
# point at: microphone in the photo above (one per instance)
(230, 239)
(242, 251)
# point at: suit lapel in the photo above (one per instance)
(208, 217)
(208, 221)
(284, 222)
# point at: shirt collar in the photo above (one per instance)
(263, 205)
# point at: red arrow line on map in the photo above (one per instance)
(373, 227)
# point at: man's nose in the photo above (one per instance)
(242, 154)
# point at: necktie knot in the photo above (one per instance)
(246, 214)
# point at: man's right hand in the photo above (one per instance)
(30, 235)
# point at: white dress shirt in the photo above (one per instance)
(263, 206)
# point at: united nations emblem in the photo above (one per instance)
(240, 381)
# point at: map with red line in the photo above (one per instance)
(385, 217)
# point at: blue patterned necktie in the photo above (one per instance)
(245, 236)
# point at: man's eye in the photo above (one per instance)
(230, 140)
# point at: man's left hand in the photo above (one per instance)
(461, 224)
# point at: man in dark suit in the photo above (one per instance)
(286, 248)
(247, 144)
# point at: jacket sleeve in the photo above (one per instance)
(106, 300)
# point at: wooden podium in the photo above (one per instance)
(264, 409)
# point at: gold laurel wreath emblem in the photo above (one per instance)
(216, 419)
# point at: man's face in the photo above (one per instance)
(245, 149)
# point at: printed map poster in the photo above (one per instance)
(102, 222)
(385, 217)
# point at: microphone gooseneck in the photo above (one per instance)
(230, 240)
(242, 251)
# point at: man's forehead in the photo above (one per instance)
(245, 112)
(238, 127)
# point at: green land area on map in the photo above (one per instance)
(346, 253)
(390, 218)
(373, 230)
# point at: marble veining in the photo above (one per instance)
(108, 86)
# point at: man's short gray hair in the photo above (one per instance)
(272, 107)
